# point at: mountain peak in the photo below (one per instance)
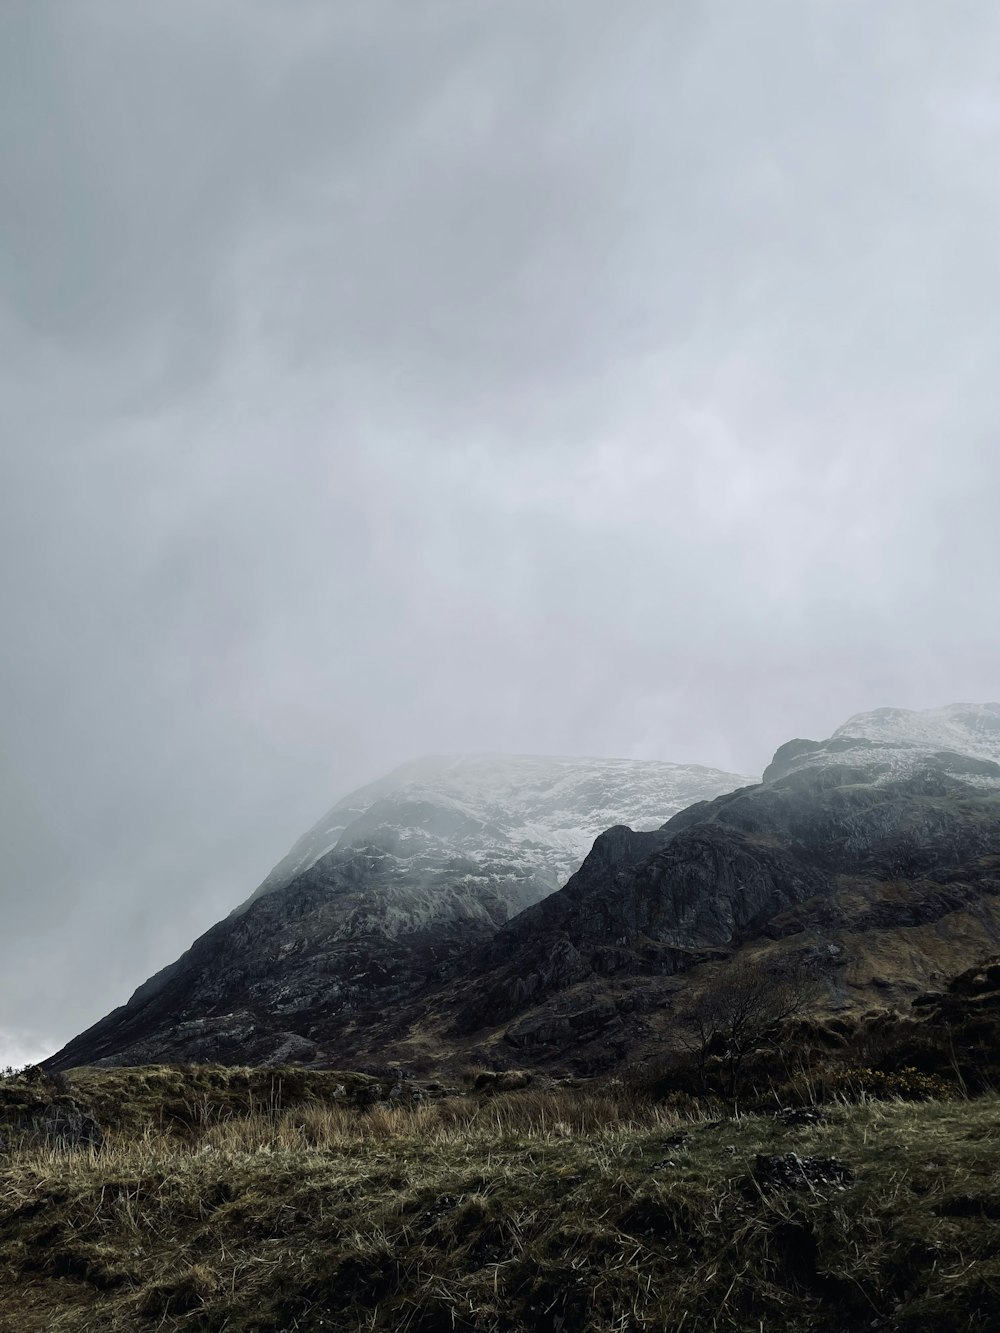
(557, 802)
(383, 895)
(961, 739)
(965, 728)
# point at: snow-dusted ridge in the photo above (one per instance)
(543, 810)
(971, 729)
(962, 740)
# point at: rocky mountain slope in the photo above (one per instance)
(871, 859)
(430, 933)
(381, 899)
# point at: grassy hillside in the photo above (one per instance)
(568, 1211)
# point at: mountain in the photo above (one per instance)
(962, 740)
(870, 860)
(421, 921)
(383, 897)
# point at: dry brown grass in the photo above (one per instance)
(511, 1117)
(535, 1212)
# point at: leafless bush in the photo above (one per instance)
(742, 1012)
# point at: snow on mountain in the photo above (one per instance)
(962, 740)
(971, 729)
(543, 811)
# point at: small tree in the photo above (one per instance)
(742, 1012)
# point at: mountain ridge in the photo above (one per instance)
(395, 882)
(962, 739)
(435, 927)
(493, 787)
(886, 874)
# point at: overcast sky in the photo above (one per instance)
(461, 375)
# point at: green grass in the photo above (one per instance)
(562, 1212)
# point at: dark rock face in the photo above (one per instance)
(875, 884)
(282, 982)
(764, 862)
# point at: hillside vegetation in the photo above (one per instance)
(235, 1200)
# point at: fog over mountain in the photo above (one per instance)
(391, 890)
(551, 807)
(429, 909)
(381, 380)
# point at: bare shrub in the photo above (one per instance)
(743, 1012)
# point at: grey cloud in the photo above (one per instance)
(385, 378)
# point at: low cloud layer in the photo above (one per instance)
(386, 378)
